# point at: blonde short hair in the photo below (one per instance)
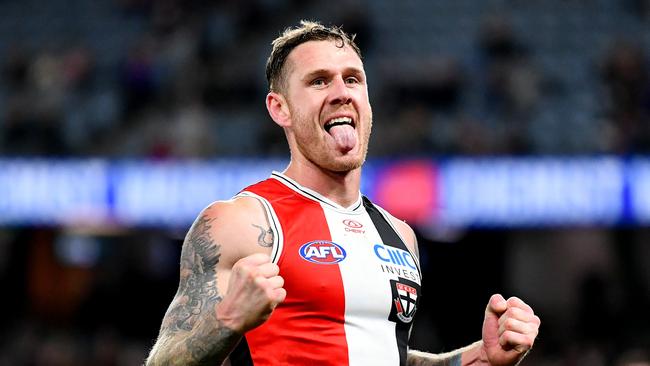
(293, 37)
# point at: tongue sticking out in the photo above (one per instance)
(345, 137)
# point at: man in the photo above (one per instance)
(350, 274)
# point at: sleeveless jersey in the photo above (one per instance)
(352, 284)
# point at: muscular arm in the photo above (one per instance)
(191, 334)
(228, 286)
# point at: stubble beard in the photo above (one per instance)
(318, 153)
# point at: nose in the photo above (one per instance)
(340, 92)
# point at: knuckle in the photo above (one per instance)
(517, 313)
(260, 281)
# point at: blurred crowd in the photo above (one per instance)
(185, 79)
(188, 83)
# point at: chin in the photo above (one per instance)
(344, 164)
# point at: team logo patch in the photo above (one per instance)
(322, 252)
(405, 296)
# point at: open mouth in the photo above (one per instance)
(339, 121)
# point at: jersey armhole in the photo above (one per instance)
(274, 223)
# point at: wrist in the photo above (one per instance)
(475, 355)
(483, 357)
(226, 318)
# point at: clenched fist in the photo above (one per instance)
(509, 330)
(254, 290)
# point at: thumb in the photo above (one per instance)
(496, 306)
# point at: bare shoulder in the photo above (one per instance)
(406, 232)
(234, 226)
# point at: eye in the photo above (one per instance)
(318, 82)
(351, 80)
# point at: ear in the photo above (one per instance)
(278, 109)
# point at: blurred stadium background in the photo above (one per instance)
(514, 135)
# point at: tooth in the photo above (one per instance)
(340, 119)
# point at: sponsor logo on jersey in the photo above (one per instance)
(394, 261)
(322, 252)
(353, 226)
(405, 296)
(395, 256)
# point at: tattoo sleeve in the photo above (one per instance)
(191, 334)
(265, 239)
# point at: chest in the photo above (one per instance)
(346, 261)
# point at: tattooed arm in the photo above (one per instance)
(227, 287)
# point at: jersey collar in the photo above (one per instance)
(313, 195)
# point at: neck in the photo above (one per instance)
(340, 187)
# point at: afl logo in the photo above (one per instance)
(352, 224)
(322, 252)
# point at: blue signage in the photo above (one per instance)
(492, 192)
